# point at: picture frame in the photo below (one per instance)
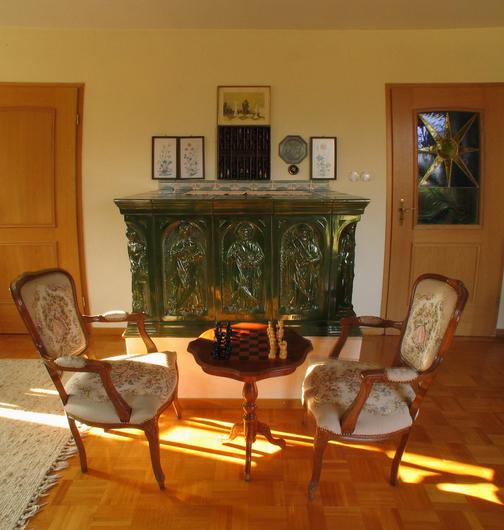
(178, 157)
(243, 105)
(192, 157)
(323, 157)
(164, 157)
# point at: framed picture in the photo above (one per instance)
(243, 105)
(164, 157)
(323, 158)
(192, 157)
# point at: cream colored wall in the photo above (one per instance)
(144, 83)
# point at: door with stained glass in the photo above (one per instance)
(445, 200)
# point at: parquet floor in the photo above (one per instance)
(452, 474)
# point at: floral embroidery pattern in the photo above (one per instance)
(423, 331)
(130, 379)
(338, 382)
(54, 316)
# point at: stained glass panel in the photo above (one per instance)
(448, 150)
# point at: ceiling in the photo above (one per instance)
(252, 14)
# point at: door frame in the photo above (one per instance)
(78, 176)
(389, 203)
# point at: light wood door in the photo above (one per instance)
(38, 186)
(470, 252)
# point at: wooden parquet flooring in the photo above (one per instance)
(452, 476)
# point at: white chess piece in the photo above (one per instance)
(273, 348)
(283, 350)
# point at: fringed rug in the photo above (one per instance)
(35, 440)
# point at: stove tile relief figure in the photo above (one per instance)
(184, 258)
(137, 253)
(301, 259)
(245, 261)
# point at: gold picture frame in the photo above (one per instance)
(243, 105)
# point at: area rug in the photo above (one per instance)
(35, 440)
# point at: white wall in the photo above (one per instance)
(145, 83)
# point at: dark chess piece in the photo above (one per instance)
(227, 341)
(217, 347)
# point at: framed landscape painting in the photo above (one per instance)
(323, 158)
(243, 105)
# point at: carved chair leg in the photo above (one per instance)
(78, 442)
(305, 414)
(397, 458)
(321, 438)
(151, 430)
(177, 408)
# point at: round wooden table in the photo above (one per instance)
(250, 369)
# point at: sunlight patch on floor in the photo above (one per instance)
(45, 391)
(40, 418)
(446, 466)
(485, 491)
(414, 475)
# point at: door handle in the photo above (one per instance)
(403, 210)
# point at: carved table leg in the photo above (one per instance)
(236, 430)
(249, 428)
(249, 423)
(263, 429)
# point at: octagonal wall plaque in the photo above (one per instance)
(293, 149)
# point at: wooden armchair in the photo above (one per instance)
(357, 401)
(126, 391)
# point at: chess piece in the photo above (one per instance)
(227, 341)
(283, 349)
(273, 346)
(216, 350)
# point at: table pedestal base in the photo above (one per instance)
(249, 428)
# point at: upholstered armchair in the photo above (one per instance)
(126, 391)
(358, 401)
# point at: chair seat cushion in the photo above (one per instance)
(146, 382)
(331, 386)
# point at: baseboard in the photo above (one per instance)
(236, 404)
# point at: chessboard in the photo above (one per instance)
(252, 346)
(246, 345)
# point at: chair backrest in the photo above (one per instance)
(435, 308)
(47, 303)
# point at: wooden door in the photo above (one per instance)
(446, 153)
(38, 186)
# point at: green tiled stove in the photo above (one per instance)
(200, 256)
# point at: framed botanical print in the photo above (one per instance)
(243, 105)
(323, 158)
(192, 157)
(164, 157)
(178, 157)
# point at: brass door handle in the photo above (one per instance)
(403, 210)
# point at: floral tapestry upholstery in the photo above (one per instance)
(50, 303)
(433, 304)
(129, 378)
(331, 386)
(145, 382)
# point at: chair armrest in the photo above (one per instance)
(123, 316)
(351, 415)
(365, 321)
(102, 368)
(401, 374)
